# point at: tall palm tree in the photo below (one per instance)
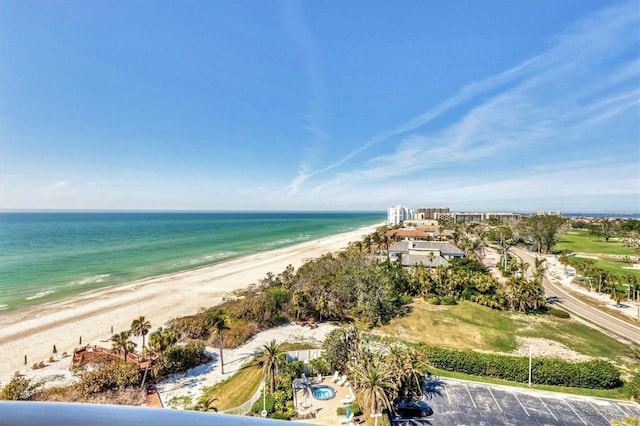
(140, 327)
(217, 321)
(375, 383)
(271, 358)
(539, 269)
(406, 364)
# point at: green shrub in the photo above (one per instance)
(257, 406)
(178, 359)
(109, 374)
(634, 386)
(319, 366)
(559, 313)
(19, 389)
(448, 300)
(355, 409)
(405, 299)
(432, 299)
(548, 371)
(193, 326)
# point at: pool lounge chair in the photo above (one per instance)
(336, 377)
(348, 400)
(342, 380)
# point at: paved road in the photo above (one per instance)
(593, 315)
(458, 402)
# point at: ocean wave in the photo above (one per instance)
(207, 258)
(96, 279)
(3, 307)
(40, 294)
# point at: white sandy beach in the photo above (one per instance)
(34, 331)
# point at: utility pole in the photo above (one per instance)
(530, 355)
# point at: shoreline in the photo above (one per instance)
(33, 331)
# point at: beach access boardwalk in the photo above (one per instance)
(88, 353)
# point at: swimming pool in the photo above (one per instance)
(323, 392)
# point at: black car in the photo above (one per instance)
(412, 408)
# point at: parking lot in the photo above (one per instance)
(457, 402)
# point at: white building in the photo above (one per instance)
(395, 215)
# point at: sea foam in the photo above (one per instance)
(40, 294)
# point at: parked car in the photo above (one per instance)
(412, 408)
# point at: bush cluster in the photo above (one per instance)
(634, 386)
(548, 371)
(178, 359)
(559, 313)
(354, 407)
(19, 389)
(109, 374)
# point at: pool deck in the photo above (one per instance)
(324, 411)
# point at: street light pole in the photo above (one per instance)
(530, 355)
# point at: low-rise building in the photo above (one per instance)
(429, 253)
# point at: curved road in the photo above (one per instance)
(594, 316)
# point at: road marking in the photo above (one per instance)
(525, 410)
(547, 407)
(445, 391)
(621, 410)
(574, 412)
(496, 401)
(594, 407)
(474, 403)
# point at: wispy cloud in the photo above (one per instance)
(555, 103)
(300, 34)
(59, 184)
(55, 189)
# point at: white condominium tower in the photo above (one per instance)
(395, 215)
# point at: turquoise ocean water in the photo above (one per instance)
(50, 256)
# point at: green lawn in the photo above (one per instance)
(618, 269)
(471, 326)
(238, 388)
(581, 241)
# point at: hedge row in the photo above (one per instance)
(547, 371)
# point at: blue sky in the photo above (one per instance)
(320, 105)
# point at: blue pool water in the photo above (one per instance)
(323, 392)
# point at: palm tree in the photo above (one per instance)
(375, 382)
(140, 327)
(218, 322)
(270, 358)
(406, 364)
(161, 339)
(120, 343)
(539, 269)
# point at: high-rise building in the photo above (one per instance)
(430, 212)
(395, 215)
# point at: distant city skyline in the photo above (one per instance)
(320, 106)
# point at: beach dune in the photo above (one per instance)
(33, 332)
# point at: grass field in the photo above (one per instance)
(238, 388)
(471, 326)
(619, 269)
(581, 241)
